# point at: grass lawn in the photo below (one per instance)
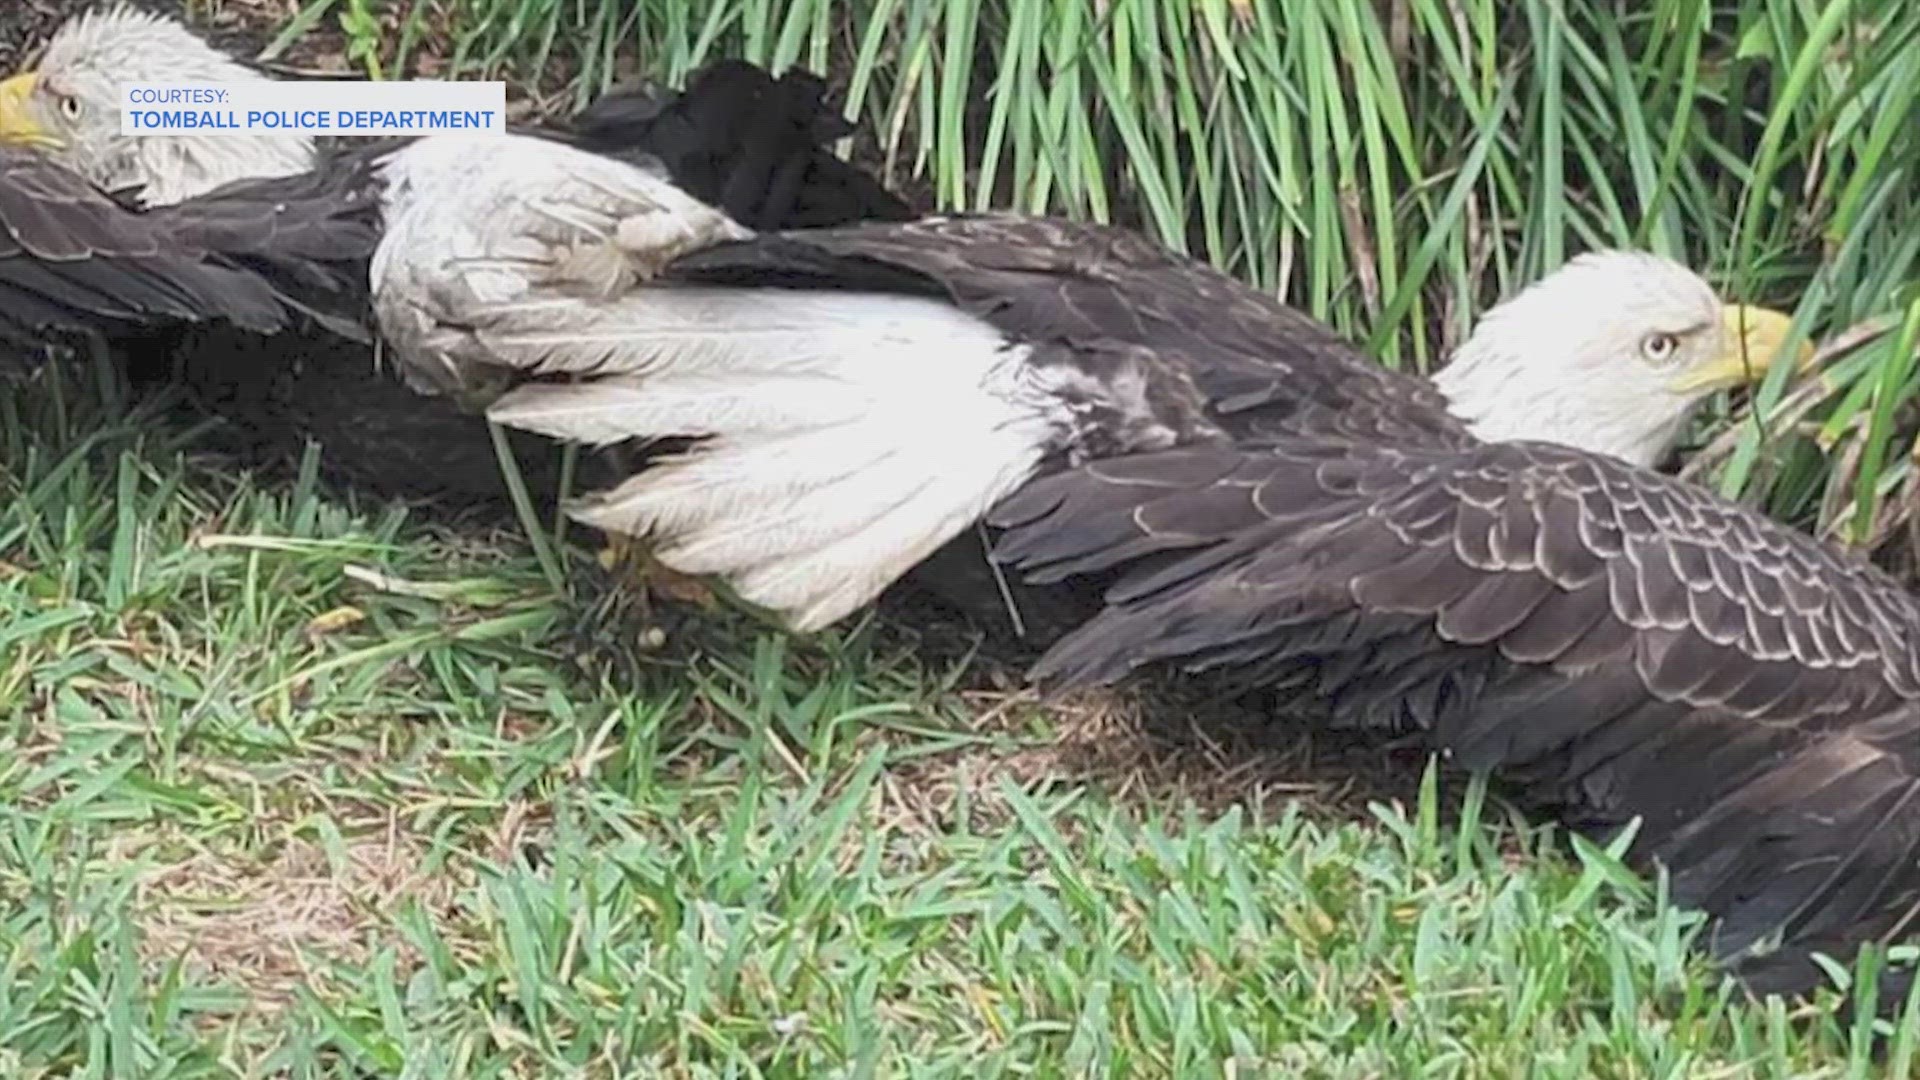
(292, 786)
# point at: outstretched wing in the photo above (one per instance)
(1619, 642)
(1553, 555)
(72, 258)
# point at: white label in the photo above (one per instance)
(313, 108)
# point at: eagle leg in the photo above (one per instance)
(654, 587)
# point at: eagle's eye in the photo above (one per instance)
(1658, 347)
(70, 107)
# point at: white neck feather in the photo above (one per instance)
(1506, 398)
(1562, 361)
(89, 56)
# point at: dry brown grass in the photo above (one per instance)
(275, 915)
(1149, 749)
(270, 925)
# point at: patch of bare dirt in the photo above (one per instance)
(1153, 742)
(267, 925)
(1151, 747)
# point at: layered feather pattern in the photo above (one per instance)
(820, 477)
(249, 254)
(1619, 643)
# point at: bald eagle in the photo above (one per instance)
(1489, 558)
(874, 389)
(69, 105)
(748, 143)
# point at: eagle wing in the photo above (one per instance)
(864, 392)
(1619, 642)
(308, 231)
(1102, 299)
(746, 142)
(72, 258)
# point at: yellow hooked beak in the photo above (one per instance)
(1753, 336)
(16, 120)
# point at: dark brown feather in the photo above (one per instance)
(252, 254)
(1221, 361)
(1619, 643)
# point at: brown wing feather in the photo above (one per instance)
(1697, 578)
(72, 258)
(1618, 642)
(1260, 369)
(312, 230)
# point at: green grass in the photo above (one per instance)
(1391, 167)
(293, 787)
(290, 788)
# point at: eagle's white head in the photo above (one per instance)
(1611, 353)
(68, 108)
